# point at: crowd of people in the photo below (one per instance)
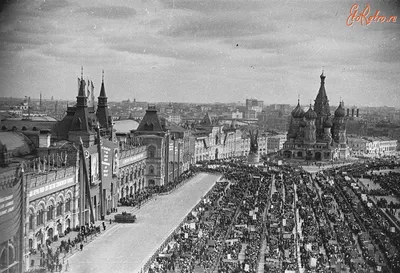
(377, 236)
(52, 259)
(224, 232)
(136, 200)
(317, 222)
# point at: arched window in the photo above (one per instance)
(68, 204)
(151, 151)
(50, 211)
(151, 170)
(59, 209)
(31, 218)
(40, 217)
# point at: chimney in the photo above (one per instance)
(348, 111)
(44, 139)
(352, 112)
(358, 112)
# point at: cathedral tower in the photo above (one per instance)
(80, 127)
(102, 112)
(310, 129)
(321, 108)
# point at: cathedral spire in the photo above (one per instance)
(102, 112)
(102, 90)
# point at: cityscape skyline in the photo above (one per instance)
(201, 51)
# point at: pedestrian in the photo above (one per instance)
(110, 221)
(104, 226)
(81, 246)
(67, 266)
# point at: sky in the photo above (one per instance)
(201, 50)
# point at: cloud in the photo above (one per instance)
(162, 47)
(208, 6)
(52, 5)
(216, 26)
(110, 12)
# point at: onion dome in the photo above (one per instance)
(298, 112)
(302, 123)
(328, 123)
(340, 112)
(310, 114)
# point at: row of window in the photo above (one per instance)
(40, 217)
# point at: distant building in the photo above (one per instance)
(216, 141)
(275, 143)
(375, 146)
(168, 154)
(255, 105)
(236, 115)
(175, 118)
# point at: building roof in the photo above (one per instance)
(321, 105)
(298, 112)
(340, 112)
(310, 114)
(16, 143)
(151, 122)
(29, 124)
(125, 126)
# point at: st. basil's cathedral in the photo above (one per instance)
(315, 135)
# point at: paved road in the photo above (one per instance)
(126, 247)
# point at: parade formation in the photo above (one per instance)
(277, 218)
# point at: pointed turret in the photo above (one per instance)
(102, 90)
(102, 106)
(321, 107)
(80, 121)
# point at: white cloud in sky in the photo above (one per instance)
(200, 50)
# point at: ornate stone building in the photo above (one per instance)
(168, 148)
(315, 135)
(53, 198)
(216, 141)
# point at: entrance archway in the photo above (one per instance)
(287, 154)
(59, 228)
(318, 156)
(50, 233)
(299, 154)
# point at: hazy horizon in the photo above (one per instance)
(201, 51)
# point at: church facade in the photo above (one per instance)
(315, 134)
